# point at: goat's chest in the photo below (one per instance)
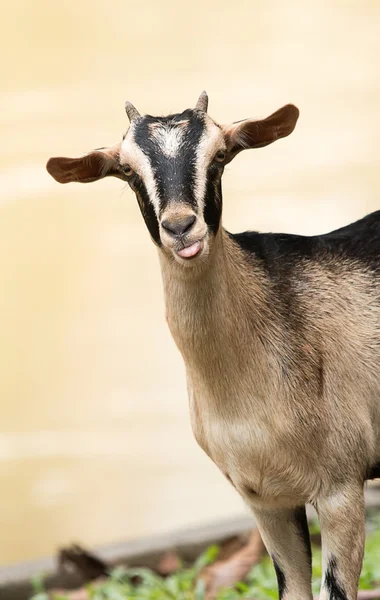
(252, 448)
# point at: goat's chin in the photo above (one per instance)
(199, 252)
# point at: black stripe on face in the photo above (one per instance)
(174, 175)
(147, 211)
(213, 202)
(336, 591)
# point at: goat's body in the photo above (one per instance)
(280, 335)
(281, 340)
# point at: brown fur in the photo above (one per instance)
(289, 412)
(271, 406)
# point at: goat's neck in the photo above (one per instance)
(213, 308)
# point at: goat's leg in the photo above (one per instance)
(342, 520)
(285, 534)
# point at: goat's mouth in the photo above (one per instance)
(191, 251)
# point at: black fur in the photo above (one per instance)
(303, 529)
(174, 175)
(281, 259)
(281, 581)
(336, 591)
(147, 211)
(213, 205)
(374, 472)
(280, 253)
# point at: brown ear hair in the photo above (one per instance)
(256, 134)
(103, 162)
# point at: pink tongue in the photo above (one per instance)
(190, 250)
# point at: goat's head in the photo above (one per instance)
(174, 165)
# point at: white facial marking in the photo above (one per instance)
(211, 141)
(169, 139)
(132, 154)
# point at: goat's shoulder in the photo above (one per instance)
(359, 242)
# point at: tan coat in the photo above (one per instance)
(287, 405)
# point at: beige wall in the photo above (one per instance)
(95, 441)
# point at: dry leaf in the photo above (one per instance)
(231, 546)
(169, 563)
(89, 566)
(225, 573)
(369, 594)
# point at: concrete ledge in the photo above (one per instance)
(15, 580)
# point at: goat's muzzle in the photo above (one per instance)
(183, 233)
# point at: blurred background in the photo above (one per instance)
(95, 438)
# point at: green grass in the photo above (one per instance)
(260, 583)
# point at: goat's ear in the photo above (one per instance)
(255, 134)
(103, 162)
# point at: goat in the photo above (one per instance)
(280, 335)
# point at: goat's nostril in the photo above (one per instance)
(178, 227)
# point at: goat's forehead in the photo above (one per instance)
(173, 136)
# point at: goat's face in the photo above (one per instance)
(174, 165)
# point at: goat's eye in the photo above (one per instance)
(127, 170)
(220, 156)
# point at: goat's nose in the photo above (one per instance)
(178, 228)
